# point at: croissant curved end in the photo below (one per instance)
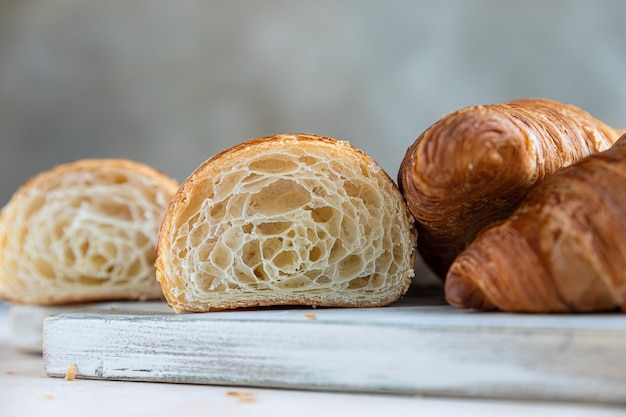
(464, 293)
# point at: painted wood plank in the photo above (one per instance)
(404, 349)
(26, 321)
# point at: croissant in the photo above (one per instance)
(286, 219)
(84, 231)
(475, 165)
(563, 249)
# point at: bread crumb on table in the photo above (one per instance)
(70, 374)
(312, 316)
(242, 396)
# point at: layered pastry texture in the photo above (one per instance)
(563, 250)
(287, 219)
(474, 166)
(84, 231)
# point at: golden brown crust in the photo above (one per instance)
(562, 250)
(202, 187)
(475, 165)
(68, 187)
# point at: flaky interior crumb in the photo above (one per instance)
(288, 222)
(84, 232)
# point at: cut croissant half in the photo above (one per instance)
(287, 219)
(84, 231)
(474, 166)
(563, 249)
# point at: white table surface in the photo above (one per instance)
(25, 390)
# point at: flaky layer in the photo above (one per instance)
(289, 219)
(474, 166)
(84, 231)
(563, 250)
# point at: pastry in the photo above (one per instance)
(288, 219)
(84, 231)
(475, 165)
(562, 250)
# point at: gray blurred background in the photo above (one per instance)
(170, 83)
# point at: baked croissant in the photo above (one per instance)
(563, 249)
(475, 165)
(287, 219)
(84, 231)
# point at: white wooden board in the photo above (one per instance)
(408, 348)
(26, 321)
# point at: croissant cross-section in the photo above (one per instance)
(288, 219)
(84, 231)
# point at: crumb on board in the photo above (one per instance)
(112, 308)
(47, 397)
(70, 374)
(310, 316)
(242, 396)
(9, 372)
